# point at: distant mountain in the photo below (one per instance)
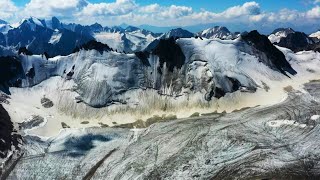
(173, 33)
(280, 33)
(41, 36)
(130, 39)
(219, 32)
(177, 33)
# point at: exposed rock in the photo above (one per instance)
(32, 122)
(93, 45)
(275, 56)
(9, 139)
(196, 114)
(170, 54)
(47, 103)
(25, 51)
(64, 125)
(11, 73)
(296, 41)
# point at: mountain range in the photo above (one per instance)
(56, 38)
(62, 87)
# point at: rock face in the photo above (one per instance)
(47, 103)
(32, 122)
(275, 142)
(11, 73)
(275, 58)
(296, 41)
(9, 139)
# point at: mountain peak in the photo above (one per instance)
(220, 32)
(3, 22)
(177, 33)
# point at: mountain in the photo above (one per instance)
(280, 33)
(129, 40)
(177, 33)
(41, 36)
(97, 69)
(63, 106)
(216, 32)
(54, 23)
(297, 41)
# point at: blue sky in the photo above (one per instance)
(215, 5)
(239, 15)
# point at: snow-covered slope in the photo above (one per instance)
(280, 33)
(130, 39)
(216, 32)
(210, 68)
(180, 77)
(315, 36)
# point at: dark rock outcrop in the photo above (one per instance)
(277, 60)
(47, 103)
(170, 54)
(297, 41)
(143, 56)
(93, 45)
(8, 136)
(34, 122)
(24, 50)
(11, 73)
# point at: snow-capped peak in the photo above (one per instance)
(216, 32)
(179, 32)
(280, 33)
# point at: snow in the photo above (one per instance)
(113, 40)
(216, 32)
(315, 117)
(279, 123)
(4, 28)
(315, 35)
(113, 78)
(275, 38)
(55, 38)
(127, 41)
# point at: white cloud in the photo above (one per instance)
(7, 9)
(248, 8)
(120, 7)
(152, 8)
(46, 9)
(314, 12)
